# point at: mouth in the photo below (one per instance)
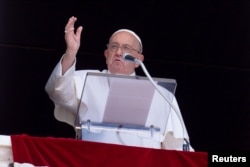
(118, 60)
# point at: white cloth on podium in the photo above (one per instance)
(6, 156)
(16, 164)
(65, 91)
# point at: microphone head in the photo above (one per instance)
(128, 57)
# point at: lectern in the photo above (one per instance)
(117, 108)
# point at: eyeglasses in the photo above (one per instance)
(125, 48)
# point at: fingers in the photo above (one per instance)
(79, 31)
(70, 25)
(68, 30)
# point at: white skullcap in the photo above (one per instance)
(131, 32)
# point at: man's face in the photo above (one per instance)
(118, 44)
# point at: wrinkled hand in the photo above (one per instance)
(72, 37)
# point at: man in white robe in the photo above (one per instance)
(65, 86)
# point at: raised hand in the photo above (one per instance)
(72, 39)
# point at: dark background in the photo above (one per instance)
(204, 45)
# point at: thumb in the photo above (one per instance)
(79, 31)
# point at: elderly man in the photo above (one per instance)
(64, 87)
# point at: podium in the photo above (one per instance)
(121, 109)
(65, 152)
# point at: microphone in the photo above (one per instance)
(128, 57)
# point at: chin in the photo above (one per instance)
(118, 73)
(116, 70)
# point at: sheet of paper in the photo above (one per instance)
(128, 101)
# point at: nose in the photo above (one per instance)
(119, 51)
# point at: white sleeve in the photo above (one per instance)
(65, 91)
(61, 88)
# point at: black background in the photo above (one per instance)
(204, 45)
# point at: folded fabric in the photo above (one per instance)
(61, 152)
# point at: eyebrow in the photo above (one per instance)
(119, 44)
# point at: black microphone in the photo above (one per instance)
(128, 57)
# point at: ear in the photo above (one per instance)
(140, 57)
(106, 53)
